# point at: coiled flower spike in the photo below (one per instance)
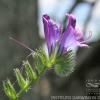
(60, 50)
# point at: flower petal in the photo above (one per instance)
(51, 31)
(72, 36)
(68, 37)
(71, 20)
(46, 19)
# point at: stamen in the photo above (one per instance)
(90, 35)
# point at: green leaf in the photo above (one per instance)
(64, 64)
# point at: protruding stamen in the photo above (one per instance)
(90, 35)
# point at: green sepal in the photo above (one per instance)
(40, 60)
(9, 90)
(31, 74)
(64, 64)
(21, 81)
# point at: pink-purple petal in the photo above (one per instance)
(51, 31)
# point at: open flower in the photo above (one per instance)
(70, 38)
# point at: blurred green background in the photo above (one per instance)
(22, 19)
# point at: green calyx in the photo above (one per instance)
(31, 74)
(9, 90)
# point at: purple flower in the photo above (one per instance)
(70, 38)
(51, 31)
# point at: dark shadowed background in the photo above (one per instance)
(21, 19)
